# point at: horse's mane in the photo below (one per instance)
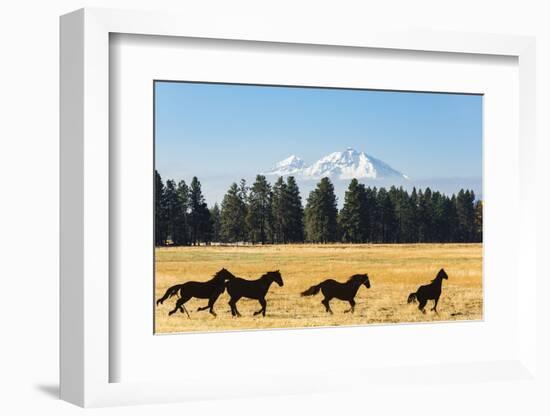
(440, 275)
(269, 273)
(356, 277)
(220, 274)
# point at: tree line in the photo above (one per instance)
(273, 214)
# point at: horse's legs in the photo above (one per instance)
(174, 310)
(435, 305)
(325, 302)
(211, 303)
(236, 310)
(421, 304)
(180, 304)
(210, 306)
(352, 304)
(233, 304)
(262, 310)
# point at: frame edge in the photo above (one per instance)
(71, 220)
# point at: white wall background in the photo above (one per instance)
(29, 186)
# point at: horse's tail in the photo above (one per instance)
(313, 290)
(412, 298)
(169, 293)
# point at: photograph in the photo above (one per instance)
(299, 206)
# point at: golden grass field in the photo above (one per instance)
(394, 272)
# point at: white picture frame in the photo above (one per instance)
(86, 219)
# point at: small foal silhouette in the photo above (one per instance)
(210, 290)
(343, 291)
(431, 291)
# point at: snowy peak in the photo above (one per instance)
(291, 165)
(348, 164)
(344, 165)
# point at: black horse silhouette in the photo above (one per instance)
(343, 291)
(429, 292)
(210, 290)
(252, 289)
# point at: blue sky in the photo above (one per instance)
(220, 130)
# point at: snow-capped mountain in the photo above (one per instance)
(290, 166)
(339, 165)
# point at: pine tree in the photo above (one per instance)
(425, 216)
(287, 212)
(412, 218)
(395, 198)
(215, 218)
(478, 221)
(258, 217)
(294, 224)
(465, 215)
(471, 215)
(160, 211)
(321, 213)
(399, 200)
(352, 218)
(243, 193)
(197, 212)
(180, 233)
(440, 222)
(172, 208)
(406, 216)
(370, 214)
(205, 224)
(232, 216)
(279, 211)
(386, 217)
(453, 220)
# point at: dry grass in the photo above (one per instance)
(394, 271)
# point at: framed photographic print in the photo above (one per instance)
(254, 203)
(242, 214)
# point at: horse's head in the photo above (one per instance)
(442, 275)
(275, 277)
(224, 274)
(361, 279)
(365, 280)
